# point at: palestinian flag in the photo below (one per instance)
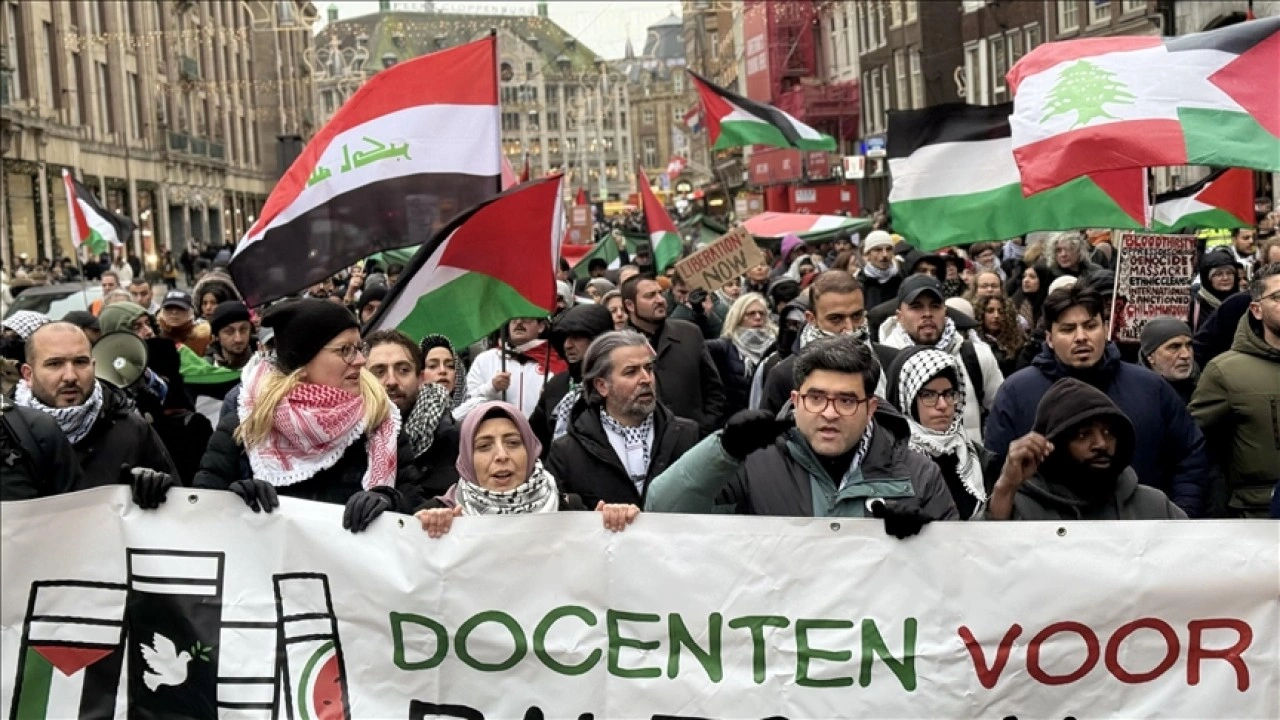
(92, 225)
(1106, 103)
(955, 182)
(734, 121)
(495, 262)
(606, 249)
(414, 146)
(664, 240)
(1224, 200)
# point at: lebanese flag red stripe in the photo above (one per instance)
(1050, 54)
(379, 96)
(1044, 164)
(79, 225)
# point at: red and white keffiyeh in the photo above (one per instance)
(312, 427)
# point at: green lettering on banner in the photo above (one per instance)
(397, 639)
(540, 640)
(873, 644)
(805, 654)
(709, 659)
(756, 624)
(617, 642)
(503, 619)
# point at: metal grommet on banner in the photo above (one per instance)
(1062, 532)
(400, 522)
(835, 527)
(193, 498)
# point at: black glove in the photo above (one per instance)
(751, 430)
(362, 508)
(902, 518)
(259, 495)
(149, 486)
(696, 298)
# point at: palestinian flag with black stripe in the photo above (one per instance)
(417, 144)
(1222, 201)
(734, 121)
(92, 225)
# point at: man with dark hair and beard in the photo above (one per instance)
(1074, 465)
(571, 335)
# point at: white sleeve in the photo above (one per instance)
(480, 377)
(992, 377)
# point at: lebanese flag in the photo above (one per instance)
(495, 262)
(414, 146)
(1224, 200)
(91, 224)
(664, 240)
(734, 121)
(1108, 103)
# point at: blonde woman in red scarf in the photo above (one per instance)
(312, 422)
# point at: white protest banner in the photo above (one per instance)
(728, 257)
(221, 612)
(1153, 279)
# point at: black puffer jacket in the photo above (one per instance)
(35, 458)
(120, 437)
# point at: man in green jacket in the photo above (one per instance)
(1237, 403)
(842, 454)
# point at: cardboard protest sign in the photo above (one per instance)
(1153, 279)
(728, 257)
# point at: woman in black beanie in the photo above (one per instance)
(312, 422)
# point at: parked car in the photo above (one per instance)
(55, 301)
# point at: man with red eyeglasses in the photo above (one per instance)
(841, 454)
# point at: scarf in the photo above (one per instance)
(312, 428)
(425, 416)
(881, 276)
(564, 408)
(918, 370)
(632, 445)
(752, 344)
(1208, 297)
(899, 338)
(538, 494)
(75, 421)
(953, 288)
(812, 332)
(537, 352)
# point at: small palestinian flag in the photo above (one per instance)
(606, 249)
(495, 262)
(664, 241)
(955, 182)
(414, 146)
(734, 121)
(93, 226)
(315, 678)
(1224, 200)
(1105, 103)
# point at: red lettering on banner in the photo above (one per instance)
(989, 676)
(1197, 653)
(1092, 651)
(1112, 658)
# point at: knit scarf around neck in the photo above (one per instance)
(312, 427)
(812, 333)
(752, 343)
(75, 421)
(881, 276)
(538, 494)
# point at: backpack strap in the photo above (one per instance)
(969, 356)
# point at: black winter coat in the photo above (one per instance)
(435, 470)
(781, 380)
(585, 464)
(120, 437)
(35, 458)
(543, 420)
(688, 383)
(733, 374)
(875, 292)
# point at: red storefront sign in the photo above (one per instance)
(819, 164)
(770, 167)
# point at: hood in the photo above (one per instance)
(1047, 362)
(914, 256)
(1068, 404)
(217, 282)
(1065, 498)
(893, 376)
(789, 243)
(1250, 341)
(1210, 262)
(586, 320)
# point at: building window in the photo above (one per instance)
(999, 65)
(552, 93)
(877, 99)
(917, 80)
(646, 116)
(677, 114)
(1032, 33)
(844, 24)
(900, 70)
(677, 83)
(895, 13)
(973, 5)
(106, 120)
(1013, 46)
(622, 121)
(52, 92)
(882, 35)
(1133, 6)
(1068, 16)
(913, 10)
(888, 97)
(860, 19)
(974, 75)
(13, 21)
(135, 106)
(649, 146)
(553, 120)
(1099, 12)
(82, 97)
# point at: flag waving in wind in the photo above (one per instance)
(92, 225)
(1106, 103)
(663, 238)
(1222, 201)
(416, 144)
(734, 121)
(503, 252)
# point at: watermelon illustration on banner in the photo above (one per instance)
(664, 241)
(315, 678)
(93, 226)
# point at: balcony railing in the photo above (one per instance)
(820, 100)
(178, 141)
(199, 146)
(217, 151)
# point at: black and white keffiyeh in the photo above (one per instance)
(632, 444)
(950, 337)
(26, 322)
(75, 421)
(538, 494)
(424, 417)
(917, 371)
(812, 333)
(564, 408)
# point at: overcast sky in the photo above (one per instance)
(602, 26)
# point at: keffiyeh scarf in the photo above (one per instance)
(872, 272)
(76, 421)
(918, 370)
(752, 343)
(312, 427)
(812, 333)
(632, 445)
(425, 416)
(564, 408)
(538, 494)
(899, 338)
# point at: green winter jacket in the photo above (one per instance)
(1237, 405)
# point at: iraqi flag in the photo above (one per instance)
(92, 225)
(1224, 200)
(955, 182)
(495, 262)
(734, 121)
(413, 147)
(664, 240)
(1107, 103)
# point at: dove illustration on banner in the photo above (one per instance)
(165, 664)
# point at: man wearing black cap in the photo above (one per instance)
(233, 342)
(1165, 347)
(921, 319)
(1074, 465)
(178, 322)
(370, 301)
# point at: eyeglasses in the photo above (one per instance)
(1273, 297)
(348, 353)
(756, 313)
(845, 405)
(931, 397)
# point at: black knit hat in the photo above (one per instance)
(377, 292)
(231, 311)
(303, 327)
